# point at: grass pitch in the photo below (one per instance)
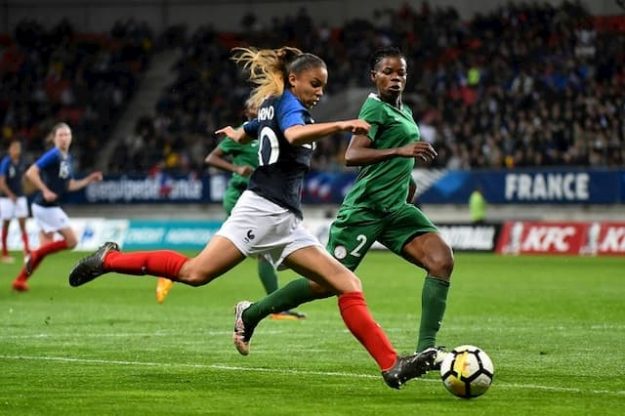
(554, 327)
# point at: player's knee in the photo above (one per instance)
(71, 243)
(442, 263)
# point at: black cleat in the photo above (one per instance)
(92, 266)
(409, 367)
(441, 353)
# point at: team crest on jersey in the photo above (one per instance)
(340, 252)
(64, 170)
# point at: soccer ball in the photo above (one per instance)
(467, 371)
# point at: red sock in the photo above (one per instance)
(39, 254)
(22, 276)
(25, 241)
(361, 324)
(163, 263)
(5, 233)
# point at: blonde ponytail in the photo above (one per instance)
(268, 70)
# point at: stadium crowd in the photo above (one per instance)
(81, 78)
(523, 85)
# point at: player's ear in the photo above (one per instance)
(292, 78)
(372, 73)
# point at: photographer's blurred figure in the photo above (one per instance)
(477, 206)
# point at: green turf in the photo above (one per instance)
(554, 327)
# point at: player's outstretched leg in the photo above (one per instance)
(242, 333)
(92, 266)
(409, 367)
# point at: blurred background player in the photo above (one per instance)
(13, 203)
(477, 206)
(52, 175)
(267, 218)
(240, 159)
(378, 206)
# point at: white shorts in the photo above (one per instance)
(10, 209)
(257, 226)
(50, 219)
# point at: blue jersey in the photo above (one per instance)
(55, 169)
(12, 172)
(279, 176)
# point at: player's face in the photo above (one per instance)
(390, 77)
(308, 85)
(63, 138)
(15, 150)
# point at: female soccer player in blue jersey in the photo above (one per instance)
(267, 219)
(240, 159)
(376, 207)
(13, 203)
(52, 174)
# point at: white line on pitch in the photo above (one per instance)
(290, 371)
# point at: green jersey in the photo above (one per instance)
(384, 185)
(240, 154)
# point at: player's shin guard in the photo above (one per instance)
(361, 324)
(433, 302)
(163, 263)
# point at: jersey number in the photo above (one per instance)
(362, 240)
(269, 148)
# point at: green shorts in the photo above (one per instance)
(355, 229)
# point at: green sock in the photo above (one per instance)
(287, 297)
(433, 300)
(268, 275)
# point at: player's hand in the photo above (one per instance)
(421, 150)
(13, 198)
(235, 134)
(95, 176)
(49, 196)
(356, 126)
(244, 170)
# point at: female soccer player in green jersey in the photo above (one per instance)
(376, 207)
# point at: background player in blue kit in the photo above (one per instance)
(52, 175)
(13, 203)
(267, 219)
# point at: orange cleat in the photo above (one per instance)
(290, 315)
(162, 289)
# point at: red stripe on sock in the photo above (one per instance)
(162, 263)
(359, 321)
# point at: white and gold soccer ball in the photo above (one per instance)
(467, 371)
